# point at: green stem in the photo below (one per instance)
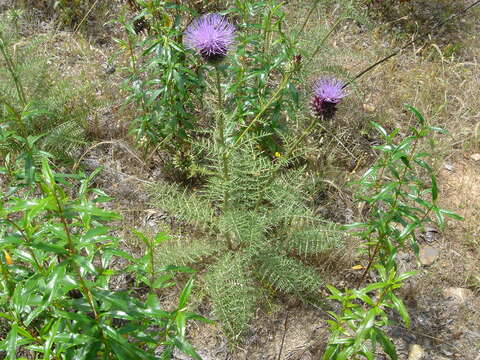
(13, 74)
(267, 37)
(151, 246)
(307, 18)
(265, 107)
(221, 139)
(71, 248)
(132, 54)
(322, 42)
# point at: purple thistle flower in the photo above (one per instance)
(327, 93)
(211, 36)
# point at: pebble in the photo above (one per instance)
(416, 352)
(369, 108)
(458, 295)
(449, 167)
(428, 255)
(475, 157)
(430, 234)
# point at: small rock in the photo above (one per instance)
(446, 352)
(430, 234)
(428, 255)
(459, 295)
(416, 352)
(110, 69)
(449, 167)
(475, 157)
(369, 108)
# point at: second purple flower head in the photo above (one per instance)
(327, 93)
(211, 36)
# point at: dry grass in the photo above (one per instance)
(440, 82)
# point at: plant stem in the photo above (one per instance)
(133, 59)
(322, 42)
(221, 139)
(268, 30)
(272, 99)
(151, 246)
(71, 248)
(13, 74)
(307, 18)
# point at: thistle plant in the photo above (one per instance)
(253, 209)
(238, 74)
(31, 103)
(328, 92)
(211, 36)
(164, 82)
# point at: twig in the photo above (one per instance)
(86, 15)
(119, 143)
(283, 337)
(415, 39)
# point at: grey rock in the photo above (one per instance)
(428, 255)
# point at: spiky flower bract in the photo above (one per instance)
(211, 36)
(327, 93)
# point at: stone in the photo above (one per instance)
(428, 255)
(458, 295)
(416, 352)
(449, 167)
(369, 108)
(475, 157)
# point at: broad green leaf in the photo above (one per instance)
(161, 237)
(162, 281)
(181, 321)
(50, 339)
(401, 308)
(451, 214)
(185, 294)
(47, 174)
(193, 316)
(186, 348)
(386, 343)
(380, 129)
(12, 343)
(331, 352)
(364, 327)
(440, 217)
(418, 115)
(434, 188)
(95, 232)
(90, 209)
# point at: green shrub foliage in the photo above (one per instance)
(57, 270)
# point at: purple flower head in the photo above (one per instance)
(327, 93)
(211, 36)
